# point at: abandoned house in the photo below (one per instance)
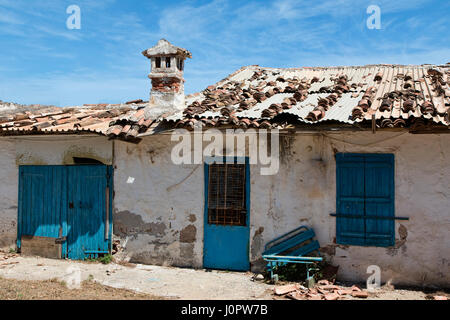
(364, 160)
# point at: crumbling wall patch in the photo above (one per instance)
(188, 234)
(127, 223)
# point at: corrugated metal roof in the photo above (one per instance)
(264, 97)
(393, 93)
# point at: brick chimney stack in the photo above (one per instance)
(167, 64)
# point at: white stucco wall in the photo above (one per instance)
(8, 195)
(159, 206)
(60, 150)
(304, 192)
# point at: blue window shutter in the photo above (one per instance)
(379, 197)
(350, 199)
(365, 189)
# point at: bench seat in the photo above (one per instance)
(292, 247)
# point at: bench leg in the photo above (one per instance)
(310, 281)
(307, 271)
(273, 277)
(271, 271)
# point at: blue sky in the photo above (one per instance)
(42, 61)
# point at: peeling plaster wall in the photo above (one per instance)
(60, 150)
(159, 205)
(8, 195)
(304, 192)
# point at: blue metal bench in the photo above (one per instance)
(292, 247)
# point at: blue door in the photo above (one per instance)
(41, 202)
(88, 223)
(227, 214)
(365, 199)
(69, 203)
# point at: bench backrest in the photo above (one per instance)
(292, 239)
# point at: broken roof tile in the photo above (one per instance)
(341, 94)
(256, 97)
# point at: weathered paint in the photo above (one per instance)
(158, 205)
(364, 192)
(67, 202)
(422, 193)
(38, 150)
(167, 197)
(89, 188)
(8, 194)
(60, 150)
(227, 246)
(42, 201)
(302, 193)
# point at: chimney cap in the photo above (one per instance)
(164, 47)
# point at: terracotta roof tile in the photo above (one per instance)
(311, 95)
(256, 97)
(89, 118)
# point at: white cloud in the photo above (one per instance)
(222, 35)
(10, 18)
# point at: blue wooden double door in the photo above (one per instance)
(69, 203)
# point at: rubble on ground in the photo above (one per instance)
(6, 256)
(116, 247)
(324, 290)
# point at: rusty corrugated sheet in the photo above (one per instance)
(265, 98)
(255, 95)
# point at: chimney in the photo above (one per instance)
(167, 64)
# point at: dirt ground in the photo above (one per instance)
(11, 289)
(40, 278)
(157, 281)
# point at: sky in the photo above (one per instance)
(42, 61)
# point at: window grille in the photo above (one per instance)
(226, 194)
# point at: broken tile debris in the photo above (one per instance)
(282, 290)
(324, 290)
